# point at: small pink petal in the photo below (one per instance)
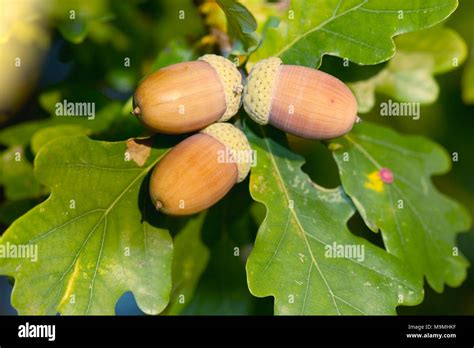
(386, 175)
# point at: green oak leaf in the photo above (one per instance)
(45, 135)
(101, 121)
(359, 30)
(291, 259)
(21, 134)
(190, 257)
(418, 223)
(97, 235)
(17, 176)
(409, 76)
(241, 26)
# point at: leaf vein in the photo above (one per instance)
(333, 17)
(300, 227)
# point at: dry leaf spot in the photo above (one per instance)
(139, 150)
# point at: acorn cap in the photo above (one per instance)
(258, 92)
(234, 140)
(231, 80)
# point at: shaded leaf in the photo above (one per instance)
(190, 257)
(360, 30)
(291, 259)
(48, 100)
(444, 48)
(74, 31)
(241, 26)
(409, 75)
(227, 231)
(222, 289)
(178, 19)
(12, 210)
(21, 134)
(75, 18)
(418, 223)
(176, 51)
(91, 247)
(350, 72)
(16, 174)
(468, 81)
(16, 171)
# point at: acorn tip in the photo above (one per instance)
(136, 111)
(158, 205)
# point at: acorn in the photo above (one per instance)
(188, 96)
(298, 100)
(200, 170)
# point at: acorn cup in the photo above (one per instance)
(298, 100)
(200, 170)
(189, 96)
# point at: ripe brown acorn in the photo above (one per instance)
(188, 96)
(298, 100)
(200, 170)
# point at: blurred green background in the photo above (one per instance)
(103, 54)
